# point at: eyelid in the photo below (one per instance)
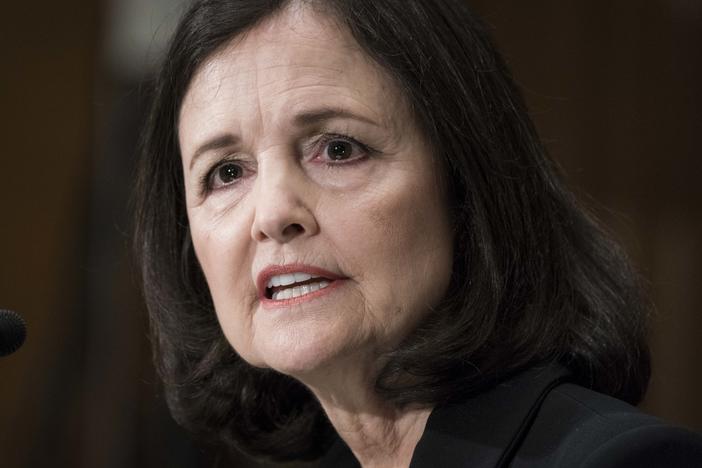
(206, 180)
(316, 146)
(326, 138)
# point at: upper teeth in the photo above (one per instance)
(287, 279)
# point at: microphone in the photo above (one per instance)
(13, 331)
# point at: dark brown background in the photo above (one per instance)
(614, 87)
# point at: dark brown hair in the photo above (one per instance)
(534, 278)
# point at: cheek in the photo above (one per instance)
(401, 247)
(221, 241)
(214, 248)
(225, 262)
(418, 245)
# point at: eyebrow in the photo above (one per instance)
(315, 116)
(218, 142)
(304, 119)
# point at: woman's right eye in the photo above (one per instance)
(223, 175)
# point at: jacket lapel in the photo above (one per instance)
(487, 429)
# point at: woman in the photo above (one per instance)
(354, 246)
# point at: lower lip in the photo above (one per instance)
(270, 303)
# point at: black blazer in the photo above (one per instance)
(539, 419)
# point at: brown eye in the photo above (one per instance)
(338, 150)
(226, 174)
(229, 173)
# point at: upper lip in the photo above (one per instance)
(273, 270)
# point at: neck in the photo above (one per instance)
(379, 434)
(384, 438)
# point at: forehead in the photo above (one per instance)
(294, 59)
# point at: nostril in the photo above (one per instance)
(293, 229)
(283, 226)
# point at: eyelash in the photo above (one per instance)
(327, 138)
(207, 182)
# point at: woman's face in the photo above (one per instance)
(303, 164)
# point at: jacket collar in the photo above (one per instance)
(487, 429)
(482, 431)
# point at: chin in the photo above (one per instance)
(299, 359)
(297, 344)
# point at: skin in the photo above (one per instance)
(377, 218)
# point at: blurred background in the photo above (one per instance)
(615, 88)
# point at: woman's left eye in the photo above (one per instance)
(338, 149)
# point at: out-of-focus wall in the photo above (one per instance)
(81, 391)
(613, 87)
(47, 58)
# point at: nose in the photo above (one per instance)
(282, 212)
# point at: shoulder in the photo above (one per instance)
(575, 426)
(540, 419)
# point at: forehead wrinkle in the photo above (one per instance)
(257, 90)
(293, 95)
(341, 93)
(247, 61)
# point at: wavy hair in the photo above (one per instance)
(534, 278)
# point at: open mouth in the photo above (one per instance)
(290, 286)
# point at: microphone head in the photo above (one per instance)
(13, 331)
